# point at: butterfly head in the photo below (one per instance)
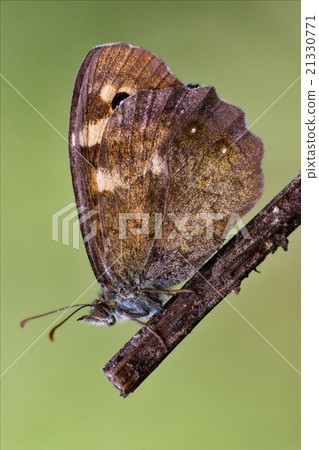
(109, 307)
(102, 312)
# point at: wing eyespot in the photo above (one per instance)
(118, 98)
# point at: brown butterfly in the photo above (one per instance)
(164, 166)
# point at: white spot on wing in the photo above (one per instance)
(158, 165)
(92, 134)
(224, 150)
(193, 130)
(107, 93)
(108, 181)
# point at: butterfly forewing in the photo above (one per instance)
(108, 74)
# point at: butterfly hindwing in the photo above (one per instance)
(169, 160)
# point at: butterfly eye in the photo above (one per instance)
(118, 98)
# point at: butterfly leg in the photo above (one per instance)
(170, 291)
(97, 320)
(148, 327)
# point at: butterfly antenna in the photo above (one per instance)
(50, 312)
(61, 323)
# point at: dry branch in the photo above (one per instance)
(217, 278)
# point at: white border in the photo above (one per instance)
(310, 252)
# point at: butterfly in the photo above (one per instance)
(162, 167)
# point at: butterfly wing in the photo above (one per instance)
(108, 74)
(170, 161)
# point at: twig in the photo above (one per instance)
(220, 276)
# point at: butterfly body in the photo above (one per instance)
(120, 304)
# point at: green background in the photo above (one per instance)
(224, 387)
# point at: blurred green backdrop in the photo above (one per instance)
(224, 387)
